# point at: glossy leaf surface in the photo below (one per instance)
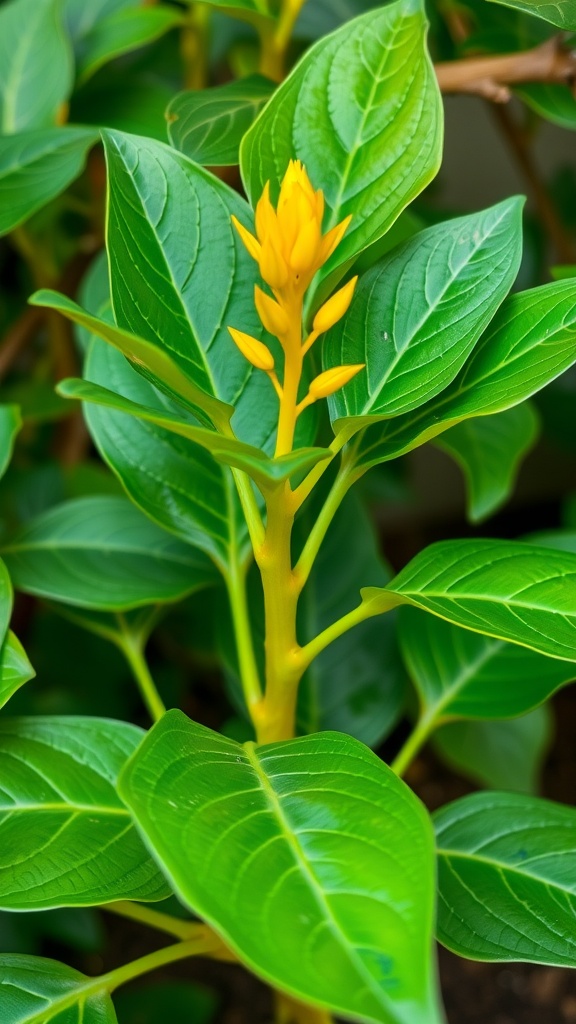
(102, 553)
(34, 990)
(362, 111)
(15, 668)
(561, 13)
(10, 424)
(310, 857)
(123, 31)
(417, 314)
(507, 865)
(66, 837)
(208, 125)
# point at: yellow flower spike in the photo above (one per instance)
(327, 383)
(332, 239)
(253, 350)
(274, 318)
(304, 255)
(265, 216)
(273, 265)
(333, 310)
(252, 244)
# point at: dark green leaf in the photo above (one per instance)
(553, 102)
(310, 857)
(15, 669)
(124, 98)
(80, 17)
(561, 13)
(34, 990)
(10, 424)
(208, 125)
(506, 875)
(123, 31)
(5, 601)
(66, 837)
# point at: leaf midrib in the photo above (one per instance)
(72, 808)
(502, 866)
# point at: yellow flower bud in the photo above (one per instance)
(252, 244)
(332, 239)
(332, 380)
(274, 318)
(273, 265)
(304, 255)
(254, 351)
(333, 310)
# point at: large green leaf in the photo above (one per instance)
(310, 857)
(208, 125)
(66, 839)
(489, 450)
(507, 865)
(561, 13)
(417, 314)
(15, 668)
(36, 166)
(10, 424)
(554, 102)
(504, 589)
(461, 674)
(531, 340)
(362, 110)
(123, 31)
(35, 64)
(34, 990)
(80, 18)
(102, 553)
(5, 601)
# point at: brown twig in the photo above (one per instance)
(492, 76)
(17, 337)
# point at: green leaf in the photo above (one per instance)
(37, 991)
(267, 8)
(36, 166)
(334, 900)
(66, 837)
(500, 755)
(417, 314)
(553, 102)
(560, 273)
(504, 589)
(15, 668)
(363, 112)
(102, 553)
(460, 674)
(489, 450)
(35, 64)
(531, 340)
(10, 424)
(5, 601)
(506, 876)
(123, 31)
(208, 125)
(129, 99)
(80, 18)
(561, 13)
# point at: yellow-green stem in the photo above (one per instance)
(174, 926)
(416, 740)
(275, 39)
(131, 645)
(235, 580)
(194, 46)
(338, 492)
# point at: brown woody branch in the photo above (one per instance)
(491, 77)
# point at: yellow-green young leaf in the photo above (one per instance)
(561, 13)
(310, 857)
(208, 125)
(504, 589)
(124, 31)
(531, 340)
(489, 451)
(507, 865)
(66, 839)
(363, 112)
(35, 64)
(10, 424)
(34, 990)
(15, 669)
(102, 553)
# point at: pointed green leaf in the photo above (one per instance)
(15, 668)
(80, 17)
(504, 589)
(507, 865)
(102, 553)
(531, 340)
(310, 857)
(208, 125)
(5, 601)
(35, 64)
(553, 102)
(561, 13)
(489, 451)
(123, 31)
(10, 424)
(34, 990)
(363, 112)
(417, 314)
(66, 839)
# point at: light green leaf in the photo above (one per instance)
(123, 31)
(507, 865)
(489, 451)
(35, 64)
(5, 601)
(66, 839)
(102, 553)
(267, 8)
(10, 424)
(37, 991)
(15, 669)
(504, 589)
(553, 102)
(500, 755)
(531, 340)
(208, 125)
(363, 112)
(36, 166)
(417, 314)
(310, 857)
(561, 13)
(80, 17)
(460, 674)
